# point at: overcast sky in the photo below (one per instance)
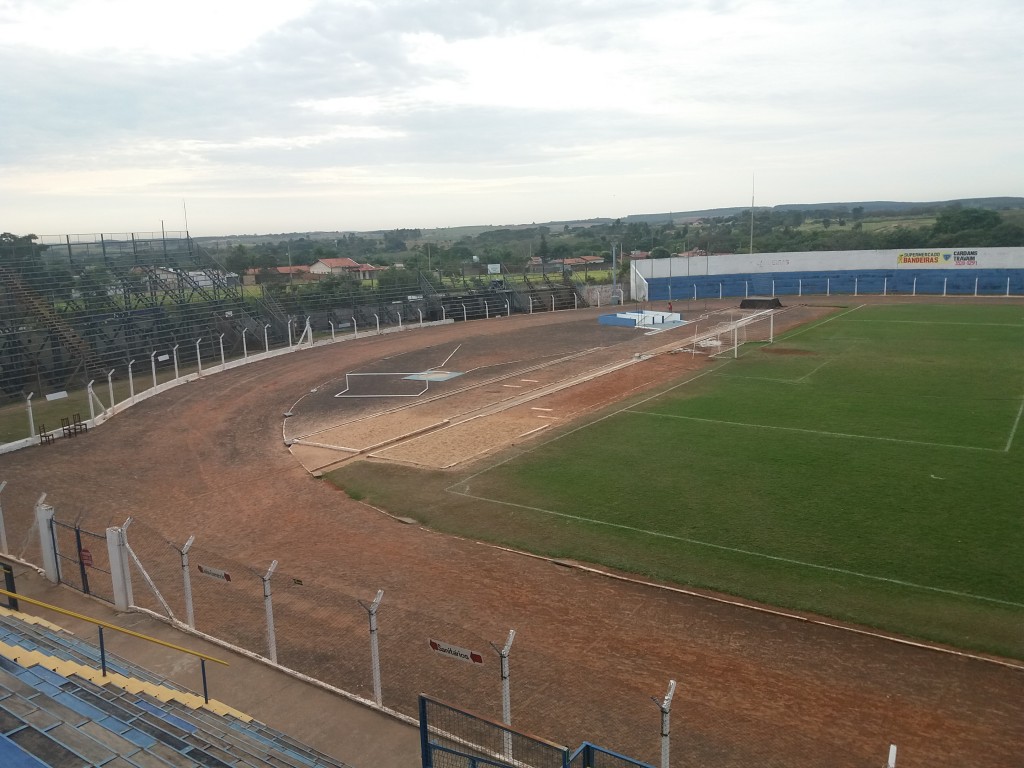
(297, 115)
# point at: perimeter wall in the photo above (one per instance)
(938, 271)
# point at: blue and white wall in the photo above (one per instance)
(938, 271)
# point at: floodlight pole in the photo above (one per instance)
(174, 354)
(187, 578)
(269, 605)
(152, 365)
(266, 341)
(666, 709)
(371, 609)
(131, 381)
(199, 356)
(31, 418)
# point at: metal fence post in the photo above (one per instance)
(371, 609)
(3, 527)
(31, 418)
(9, 585)
(666, 709)
(269, 605)
(190, 615)
(506, 693)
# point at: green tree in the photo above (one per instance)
(542, 250)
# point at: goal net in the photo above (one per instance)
(724, 334)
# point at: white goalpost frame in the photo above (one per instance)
(726, 339)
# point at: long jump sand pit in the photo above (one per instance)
(395, 409)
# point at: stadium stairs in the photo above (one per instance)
(57, 709)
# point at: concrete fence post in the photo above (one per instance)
(120, 574)
(44, 524)
(268, 603)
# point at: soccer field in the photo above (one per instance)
(868, 467)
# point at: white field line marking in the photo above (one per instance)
(513, 386)
(811, 373)
(588, 424)
(754, 607)
(789, 336)
(530, 381)
(445, 362)
(817, 432)
(536, 408)
(777, 381)
(1013, 431)
(751, 553)
(548, 417)
(941, 322)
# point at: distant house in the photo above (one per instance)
(202, 279)
(578, 262)
(366, 271)
(275, 274)
(342, 266)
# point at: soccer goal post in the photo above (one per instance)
(726, 337)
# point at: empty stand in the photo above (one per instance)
(57, 709)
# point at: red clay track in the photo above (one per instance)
(590, 652)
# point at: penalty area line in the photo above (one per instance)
(736, 550)
(1013, 430)
(820, 432)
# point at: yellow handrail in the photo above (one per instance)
(107, 625)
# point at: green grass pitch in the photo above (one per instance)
(869, 467)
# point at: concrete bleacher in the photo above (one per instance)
(58, 709)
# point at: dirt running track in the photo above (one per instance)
(754, 688)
